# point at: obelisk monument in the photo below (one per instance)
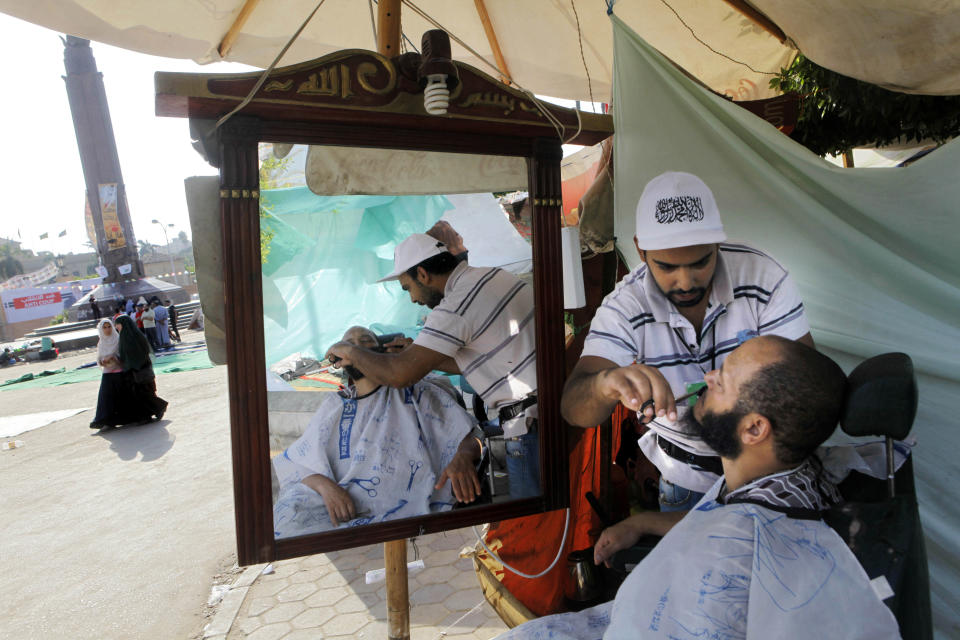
(106, 195)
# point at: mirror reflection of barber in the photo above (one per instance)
(692, 300)
(481, 325)
(374, 453)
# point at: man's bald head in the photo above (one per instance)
(360, 336)
(798, 389)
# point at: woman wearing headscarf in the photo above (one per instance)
(112, 381)
(134, 353)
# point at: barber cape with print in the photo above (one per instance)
(387, 450)
(732, 571)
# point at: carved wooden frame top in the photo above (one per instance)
(313, 103)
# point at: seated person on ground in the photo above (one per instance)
(753, 559)
(376, 453)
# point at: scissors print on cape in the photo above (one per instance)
(366, 484)
(414, 467)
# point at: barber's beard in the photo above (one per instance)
(700, 291)
(717, 430)
(431, 297)
(692, 302)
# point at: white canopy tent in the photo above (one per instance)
(559, 48)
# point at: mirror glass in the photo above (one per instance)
(347, 450)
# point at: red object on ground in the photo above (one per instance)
(530, 544)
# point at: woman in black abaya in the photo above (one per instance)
(134, 355)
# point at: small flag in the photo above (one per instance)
(62, 233)
(43, 236)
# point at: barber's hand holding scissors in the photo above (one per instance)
(339, 503)
(463, 478)
(640, 388)
(339, 353)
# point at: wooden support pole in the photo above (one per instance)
(398, 596)
(227, 43)
(494, 43)
(758, 19)
(388, 28)
(848, 159)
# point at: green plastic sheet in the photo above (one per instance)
(325, 255)
(171, 363)
(873, 251)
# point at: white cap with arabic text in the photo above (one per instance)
(677, 209)
(411, 252)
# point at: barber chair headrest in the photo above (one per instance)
(881, 397)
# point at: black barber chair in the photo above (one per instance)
(879, 520)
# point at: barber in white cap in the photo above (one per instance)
(692, 301)
(481, 325)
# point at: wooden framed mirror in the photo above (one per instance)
(361, 116)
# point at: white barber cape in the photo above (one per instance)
(387, 449)
(736, 571)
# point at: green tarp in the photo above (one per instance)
(873, 251)
(325, 255)
(171, 363)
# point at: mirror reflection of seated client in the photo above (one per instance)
(753, 559)
(376, 453)
(481, 325)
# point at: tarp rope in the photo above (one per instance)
(266, 72)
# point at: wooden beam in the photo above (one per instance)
(494, 43)
(227, 43)
(388, 28)
(758, 19)
(398, 595)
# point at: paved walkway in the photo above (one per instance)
(122, 534)
(114, 535)
(326, 596)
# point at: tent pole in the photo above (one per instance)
(394, 551)
(388, 28)
(398, 595)
(234, 31)
(759, 19)
(494, 43)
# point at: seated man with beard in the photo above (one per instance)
(753, 559)
(375, 453)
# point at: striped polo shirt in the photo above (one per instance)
(485, 323)
(752, 295)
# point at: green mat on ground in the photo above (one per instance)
(163, 364)
(31, 376)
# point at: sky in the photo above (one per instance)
(41, 167)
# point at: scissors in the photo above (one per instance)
(413, 472)
(677, 401)
(367, 484)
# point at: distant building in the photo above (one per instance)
(77, 265)
(157, 265)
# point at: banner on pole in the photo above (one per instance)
(111, 220)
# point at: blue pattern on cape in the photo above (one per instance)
(736, 571)
(387, 449)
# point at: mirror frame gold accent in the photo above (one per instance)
(395, 122)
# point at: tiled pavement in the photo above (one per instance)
(326, 596)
